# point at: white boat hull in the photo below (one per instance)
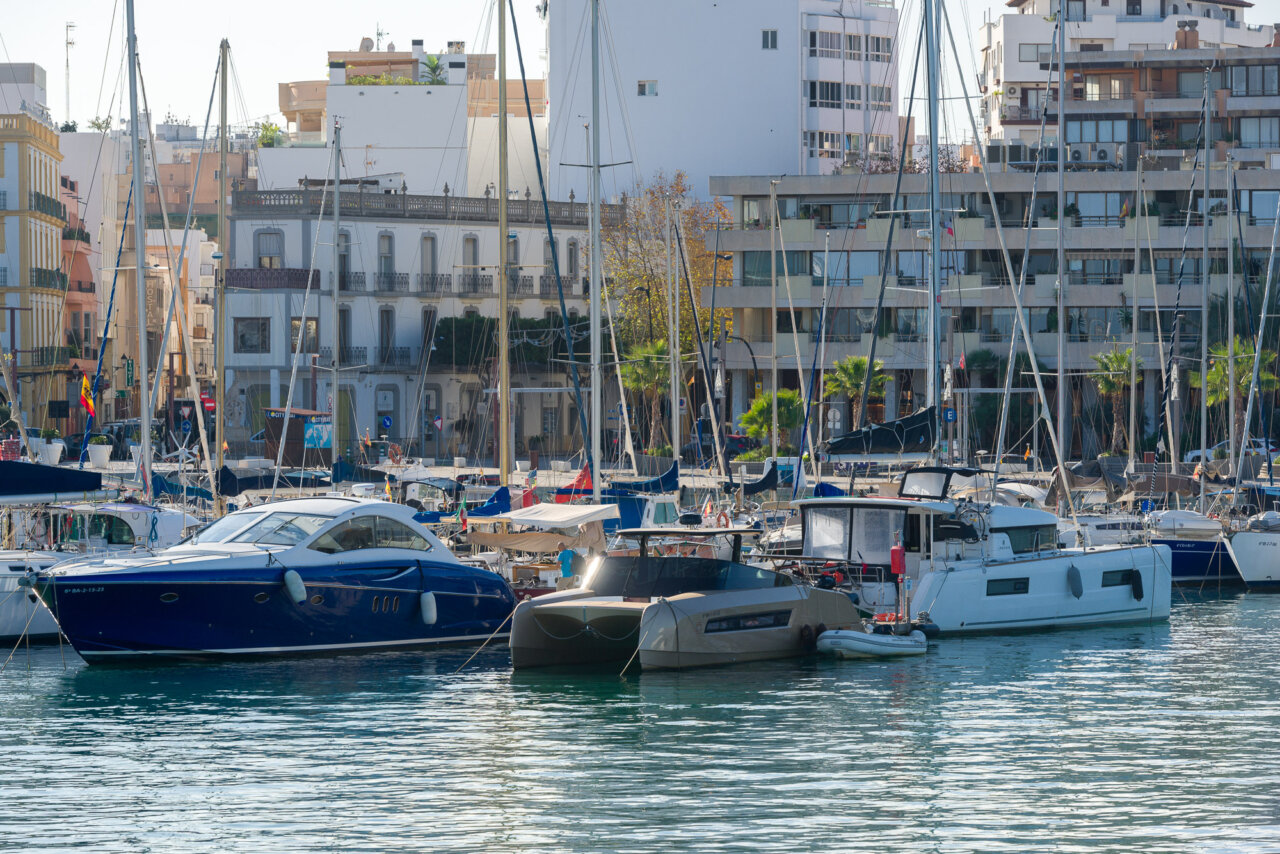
(1257, 557)
(20, 612)
(1036, 592)
(848, 643)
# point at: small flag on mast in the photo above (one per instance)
(86, 396)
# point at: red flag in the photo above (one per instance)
(581, 482)
(962, 361)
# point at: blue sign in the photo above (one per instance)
(386, 422)
(186, 426)
(317, 433)
(949, 415)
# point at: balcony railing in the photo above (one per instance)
(475, 284)
(40, 203)
(347, 356)
(350, 281)
(265, 278)
(522, 285)
(547, 286)
(434, 283)
(44, 357)
(69, 233)
(389, 282)
(41, 278)
(83, 287)
(274, 203)
(393, 357)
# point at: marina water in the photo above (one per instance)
(1151, 738)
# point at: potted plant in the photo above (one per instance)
(100, 451)
(52, 447)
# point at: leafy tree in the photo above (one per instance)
(68, 127)
(645, 371)
(435, 71)
(1112, 379)
(1219, 379)
(100, 123)
(634, 251)
(758, 420)
(847, 377)
(269, 135)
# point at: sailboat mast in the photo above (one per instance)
(504, 322)
(1062, 233)
(140, 254)
(1231, 312)
(1204, 303)
(673, 346)
(596, 387)
(932, 52)
(773, 324)
(220, 288)
(337, 286)
(1139, 206)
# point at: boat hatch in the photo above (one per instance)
(931, 481)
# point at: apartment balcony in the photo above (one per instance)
(349, 281)
(347, 356)
(266, 278)
(475, 284)
(48, 205)
(50, 357)
(76, 234)
(1016, 114)
(522, 286)
(393, 358)
(547, 288)
(52, 279)
(84, 287)
(392, 283)
(435, 283)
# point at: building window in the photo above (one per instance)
(386, 334)
(852, 47)
(853, 96)
(769, 39)
(386, 254)
(823, 94)
(823, 44)
(571, 259)
(1032, 52)
(880, 98)
(270, 250)
(880, 48)
(822, 143)
(645, 88)
(252, 334)
(310, 337)
(429, 254)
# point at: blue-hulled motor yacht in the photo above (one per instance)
(310, 575)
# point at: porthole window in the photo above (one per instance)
(261, 597)
(317, 599)
(168, 597)
(376, 601)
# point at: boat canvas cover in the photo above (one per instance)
(911, 435)
(556, 516)
(345, 472)
(231, 484)
(498, 504)
(18, 479)
(668, 481)
(767, 481)
(591, 536)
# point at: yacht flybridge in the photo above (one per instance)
(974, 567)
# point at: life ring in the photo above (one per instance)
(722, 521)
(395, 453)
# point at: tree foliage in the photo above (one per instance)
(1220, 380)
(758, 420)
(269, 135)
(100, 123)
(435, 71)
(645, 372)
(68, 127)
(1112, 380)
(847, 377)
(634, 253)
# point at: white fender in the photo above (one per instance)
(429, 613)
(293, 584)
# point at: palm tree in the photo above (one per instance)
(1112, 380)
(1219, 378)
(644, 371)
(847, 377)
(435, 71)
(758, 420)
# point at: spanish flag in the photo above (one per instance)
(1124, 211)
(86, 396)
(367, 442)
(1026, 455)
(388, 487)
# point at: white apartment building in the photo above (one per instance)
(751, 87)
(1017, 48)
(413, 272)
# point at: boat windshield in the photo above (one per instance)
(222, 530)
(647, 577)
(282, 529)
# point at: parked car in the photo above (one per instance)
(1257, 447)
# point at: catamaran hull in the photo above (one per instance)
(1257, 556)
(709, 629)
(21, 613)
(574, 628)
(1200, 562)
(253, 613)
(1039, 593)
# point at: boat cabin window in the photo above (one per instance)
(221, 530)
(369, 532)
(665, 513)
(281, 529)
(1030, 538)
(644, 577)
(113, 529)
(860, 534)
(946, 528)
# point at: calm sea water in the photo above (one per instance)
(1163, 738)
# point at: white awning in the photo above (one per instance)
(547, 516)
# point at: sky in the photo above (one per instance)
(275, 41)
